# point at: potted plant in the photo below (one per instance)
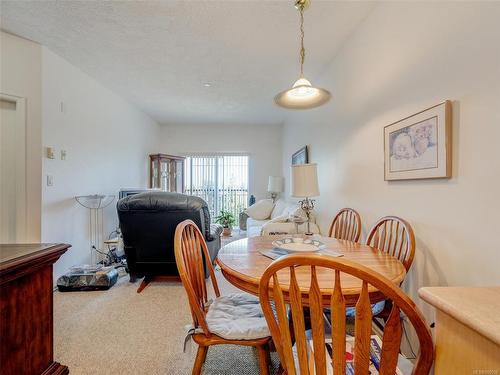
(227, 220)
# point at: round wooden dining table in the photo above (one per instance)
(242, 264)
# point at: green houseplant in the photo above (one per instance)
(227, 220)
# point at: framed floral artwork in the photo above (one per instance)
(419, 146)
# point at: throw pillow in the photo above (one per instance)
(279, 219)
(289, 209)
(261, 210)
(279, 207)
(299, 212)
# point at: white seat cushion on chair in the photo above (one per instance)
(237, 317)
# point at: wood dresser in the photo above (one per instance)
(467, 329)
(26, 319)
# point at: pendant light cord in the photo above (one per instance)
(302, 94)
(302, 49)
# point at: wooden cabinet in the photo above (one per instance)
(467, 332)
(26, 320)
(166, 172)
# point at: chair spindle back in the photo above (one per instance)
(191, 253)
(346, 225)
(394, 236)
(279, 283)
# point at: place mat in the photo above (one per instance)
(278, 253)
(273, 253)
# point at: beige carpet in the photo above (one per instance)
(121, 332)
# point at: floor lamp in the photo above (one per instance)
(95, 203)
(305, 185)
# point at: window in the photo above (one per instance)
(221, 180)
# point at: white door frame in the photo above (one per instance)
(21, 168)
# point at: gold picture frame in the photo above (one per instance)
(419, 146)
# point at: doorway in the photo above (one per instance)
(13, 216)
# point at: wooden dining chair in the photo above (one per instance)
(280, 281)
(394, 236)
(346, 225)
(191, 253)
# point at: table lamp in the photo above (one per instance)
(305, 185)
(275, 186)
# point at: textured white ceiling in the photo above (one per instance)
(159, 54)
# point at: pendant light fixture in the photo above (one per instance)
(302, 95)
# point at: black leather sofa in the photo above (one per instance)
(148, 221)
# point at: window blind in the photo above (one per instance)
(221, 180)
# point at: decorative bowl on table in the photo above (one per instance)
(298, 244)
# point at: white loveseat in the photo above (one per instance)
(279, 221)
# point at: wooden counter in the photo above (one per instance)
(26, 306)
(467, 331)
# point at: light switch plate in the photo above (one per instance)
(50, 153)
(50, 180)
(63, 154)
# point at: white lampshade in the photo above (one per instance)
(302, 95)
(275, 184)
(304, 181)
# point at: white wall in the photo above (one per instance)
(20, 62)
(263, 144)
(403, 58)
(107, 141)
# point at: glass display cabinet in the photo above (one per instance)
(166, 172)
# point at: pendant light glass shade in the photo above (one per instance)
(302, 95)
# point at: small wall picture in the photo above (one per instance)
(419, 146)
(301, 156)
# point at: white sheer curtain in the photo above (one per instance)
(220, 179)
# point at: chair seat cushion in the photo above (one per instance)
(377, 308)
(237, 317)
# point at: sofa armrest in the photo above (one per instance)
(215, 230)
(213, 245)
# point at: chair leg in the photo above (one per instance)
(201, 355)
(264, 359)
(145, 282)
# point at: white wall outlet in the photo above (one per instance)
(50, 180)
(50, 153)
(63, 154)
